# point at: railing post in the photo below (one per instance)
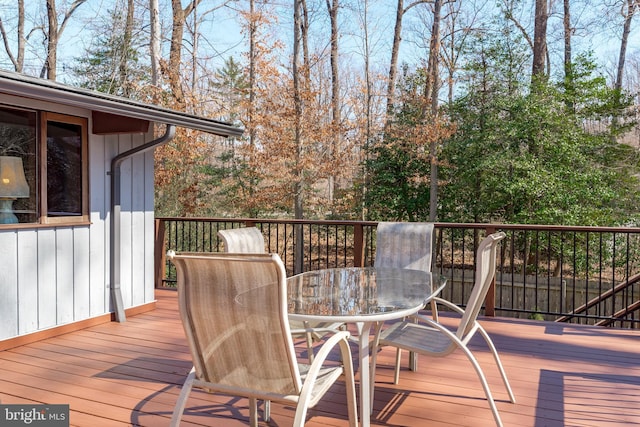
(159, 257)
(298, 248)
(358, 245)
(490, 300)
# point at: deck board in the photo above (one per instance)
(118, 374)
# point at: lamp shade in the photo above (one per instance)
(13, 184)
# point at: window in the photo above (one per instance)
(52, 150)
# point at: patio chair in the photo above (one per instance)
(432, 338)
(242, 240)
(234, 312)
(251, 240)
(405, 245)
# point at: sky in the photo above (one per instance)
(222, 35)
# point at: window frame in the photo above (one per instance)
(42, 217)
(45, 118)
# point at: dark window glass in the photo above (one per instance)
(64, 169)
(18, 138)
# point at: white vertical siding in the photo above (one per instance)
(8, 284)
(126, 237)
(28, 280)
(100, 150)
(149, 227)
(47, 292)
(81, 277)
(64, 275)
(50, 276)
(137, 229)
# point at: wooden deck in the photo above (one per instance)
(117, 374)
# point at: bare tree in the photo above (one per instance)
(508, 7)
(252, 24)
(332, 7)
(568, 32)
(18, 59)
(154, 41)
(173, 69)
(127, 47)
(53, 36)
(628, 9)
(395, 49)
(299, 36)
(540, 39)
(432, 88)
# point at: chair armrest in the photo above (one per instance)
(448, 304)
(339, 338)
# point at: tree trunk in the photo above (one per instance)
(126, 48)
(368, 106)
(395, 49)
(629, 10)
(154, 42)
(17, 61)
(297, 101)
(335, 91)
(173, 70)
(194, 52)
(252, 70)
(434, 79)
(298, 34)
(540, 40)
(53, 35)
(175, 51)
(52, 41)
(393, 67)
(568, 74)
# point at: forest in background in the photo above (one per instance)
(515, 111)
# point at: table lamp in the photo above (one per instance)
(13, 185)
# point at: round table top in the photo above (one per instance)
(358, 293)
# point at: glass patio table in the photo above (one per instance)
(362, 296)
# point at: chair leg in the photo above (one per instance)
(301, 414)
(492, 347)
(347, 366)
(373, 362)
(182, 398)
(396, 372)
(253, 412)
(485, 385)
(309, 339)
(413, 361)
(434, 311)
(267, 410)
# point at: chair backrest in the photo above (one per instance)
(234, 311)
(404, 245)
(242, 240)
(485, 272)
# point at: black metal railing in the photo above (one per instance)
(573, 274)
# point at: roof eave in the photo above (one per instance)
(40, 89)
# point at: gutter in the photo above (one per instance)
(46, 90)
(116, 292)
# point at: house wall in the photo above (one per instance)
(54, 275)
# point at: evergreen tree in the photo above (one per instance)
(111, 64)
(524, 157)
(398, 166)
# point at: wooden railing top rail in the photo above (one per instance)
(481, 226)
